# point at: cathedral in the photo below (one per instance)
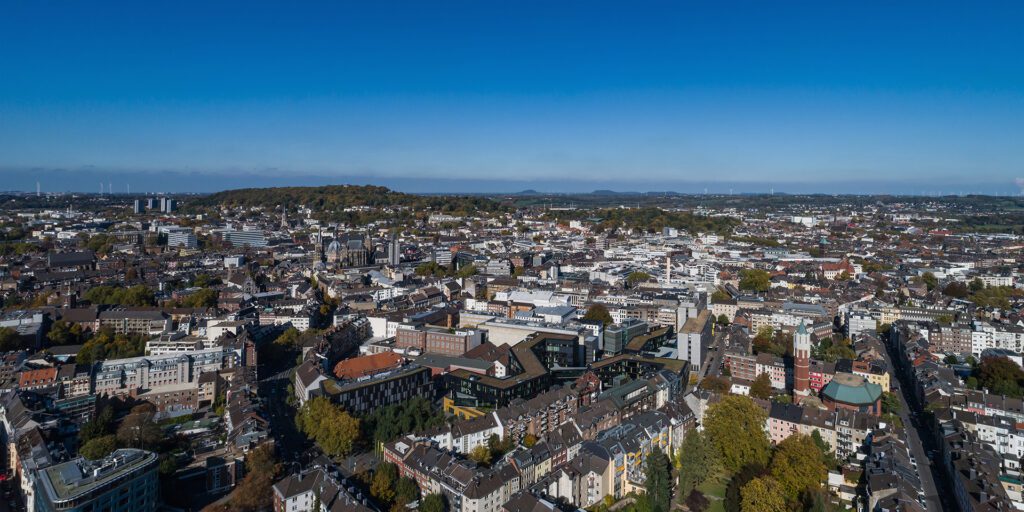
(350, 250)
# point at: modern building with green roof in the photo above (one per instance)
(849, 391)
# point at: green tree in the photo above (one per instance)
(9, 339)
(406, 491)
(434, 503)
(797, 466)
(763, 494)
(735, 427)
(720, 296)
(430, 268)
(385, 424)
(658, 480)
(63, 332)
(599, 313)
(99, 426)
(929, 280)
(734, 489)
(481, 454)
(828, 456)
(756, 280)
(890, 403)
(715, 384)
(697, 461)
(722, 319)
(382, 486)
(637, 277)
(333, 430)
(466, 271)
(761, 387)
(977, 285)
(1001, 376)
(99, 447)
(205, 298)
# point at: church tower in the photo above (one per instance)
(801, 363)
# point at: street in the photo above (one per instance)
(292, 445)
(713, 362)
(920, 441)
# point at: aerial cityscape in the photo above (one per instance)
(523, 257)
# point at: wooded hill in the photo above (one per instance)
(335, 198)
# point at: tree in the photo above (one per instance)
(797, 466)
(205, 280)
(254, 492)
(99, 447)
(529, 440)
(844, 276)
(63, 332)
(138, 430)
(956, 290)
(466, 271)
(720, 296)
(434, 503)
(715, 384)
(430, 268)
(1001, 376)
(735, 427)
(106, 344)
(723, 320)
(481, 454)
(658, 480)
(385, 424)
(697, 502)
(384, 479)
(734, 489)
(205, 298)
(763, 495)
(8, 339)
(99, 426)
(756, 280)
(696, 461)
(138, 295)
(762, 387)
(929, 280)
(828, 456)
(637, 277)
(406, 491)
(977, 285)
(890, 403)
(333, 429)
(599, 313)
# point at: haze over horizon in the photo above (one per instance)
(915, 98)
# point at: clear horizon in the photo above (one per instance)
(916, 98)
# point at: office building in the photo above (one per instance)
(245, 238)
(616, 336)
(182, 237)
(125, 480)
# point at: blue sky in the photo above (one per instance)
(626, 95)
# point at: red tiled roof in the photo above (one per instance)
(35, 377)
(367, 365)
